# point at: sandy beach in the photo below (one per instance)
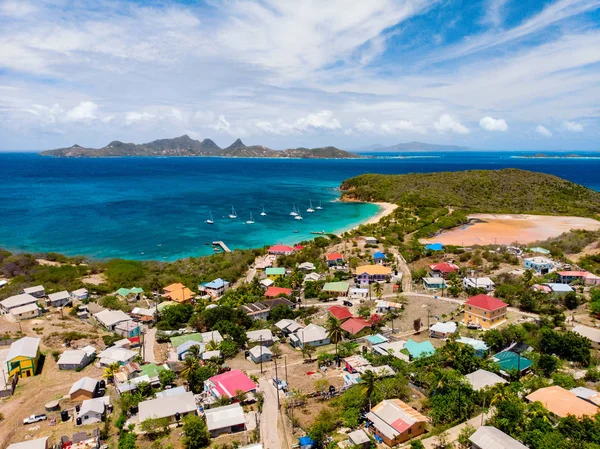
(505, 229)
(385, 209)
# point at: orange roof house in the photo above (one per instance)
(178, 292)
(562, 402)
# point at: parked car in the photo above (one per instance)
(35, 418)
(347, 303)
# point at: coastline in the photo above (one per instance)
(385, 209)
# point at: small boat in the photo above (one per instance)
(233, 214)
(251, 221)
(298, 217)
(310, 208)
(293, 213)
(296, 231)
(211, 219)
(319, 207)
(318, 232)
(263, 213)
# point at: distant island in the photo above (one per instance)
(410, 147)
(509, 191)
(555, 156)
(186, 146)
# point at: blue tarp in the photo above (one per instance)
(306, 442)
(379, 255)
(434, 247)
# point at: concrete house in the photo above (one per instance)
(395, 422)
(226, 384)
(168, 407)
(586, 278)
(442, 269)
(26, 312)
(214, 289)
(335, 259)
(356, 327)
(59, 299)
(481, 379)
(75, 359)
(37, 291)
(434, 283)
(288, 326)
(340, 312)
(541, 265)
(128, 329)
(485, 283)
(260, 354)
(312, 335)
(110, 318)
(488, 437)
(79, 294)
(366, 274)
(15, 301)
(443, 330)
(84, 388)
(116, 354)
(275, 273)
(226, 419)
(261, 337)
(485, 311)
(336, 288)
(278, 250)
(23, 357)
(274, 292)
(38, 443)
(93, 411)
(562, 402)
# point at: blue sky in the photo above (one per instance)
(491, 74)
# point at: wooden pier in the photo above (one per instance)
(223, 246)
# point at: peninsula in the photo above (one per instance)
(186, 146)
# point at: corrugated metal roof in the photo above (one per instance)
(488, 437)
(227, 416)
(167, 406)
(24, 347)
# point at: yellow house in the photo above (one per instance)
(274, 273)
(23, 357)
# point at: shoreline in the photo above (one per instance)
(385, 209)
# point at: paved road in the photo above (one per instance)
(149, 339)
(269, 422)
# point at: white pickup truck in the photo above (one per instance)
(35, 418)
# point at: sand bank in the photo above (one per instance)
(505, 229)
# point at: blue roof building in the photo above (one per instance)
(417, 350)
(560, 288)
(379, 255)
(480, 347)
(434, 247)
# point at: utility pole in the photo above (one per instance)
(277, 386)
(285, 361)
(261, 361)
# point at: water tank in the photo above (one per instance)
(77, 408)
(64, 415)
(78, 421)
(52, 406)
(102, 383)
(177, 416)
(133, 410)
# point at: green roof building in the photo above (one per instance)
(136, 290)
(181, 339)
(339, 288)
(275, 272)
(152, 370)
(124, 292)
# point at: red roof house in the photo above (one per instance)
(335, 256)
(340, 312)
(485, 302)
(356, 326)
(443, 268)
(226, 384)
(281, 249)
(273, 292)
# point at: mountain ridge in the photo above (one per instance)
(411, 146)
(186, 146)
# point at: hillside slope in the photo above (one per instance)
(492, 191)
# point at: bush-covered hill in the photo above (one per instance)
(492, 191)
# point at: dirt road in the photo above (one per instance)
(269, 422)
(149, 339)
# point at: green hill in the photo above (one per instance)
(492, 191)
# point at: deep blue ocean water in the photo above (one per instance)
(155, 208)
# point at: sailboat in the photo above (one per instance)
(251, 221)
(233, 214)
(210, 220)
(319, 207)
(263, 213)
(298, 216)
(293, 213)
(310, 209)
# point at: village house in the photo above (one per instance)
(392, 348)
(260, 354)
(116, 354)
(354, 362)
(80, 294)
(434, 283)
(379, 257)
(278, 250)
(84, 388)
(540, 265)
(37, 291)
(183, 349)
(338, 289)
(93, 411)
(12, 302)
(142, 314)
(395, 422)
(274, 292)
(359, 439)
(366, 274)
(356, 327)
(262, 336)
(442, 269)
(485, 311)
(228, 383)
(512, 361)
(358, 293)
(583, 277)
(419, 349)
(76, 358)
(312, 277)
(559, 289)
(479, 346)
(334, 259)
(172, 407)
(485, 283)
(562, 402)
(38, 443)
(340, 312)
(23, 357)
(307, 267)
(215, 289)
(110, 318)
(482, 379)
(487, 437)
(443, 330)
(214, 336)
(370, 240)
(260, 310)
(59, 299)
(128, 329)
(26, 312)
(311, 335)
(275, 273)
(178, 292)
(382, 306)
(225, 419)
(288, 326)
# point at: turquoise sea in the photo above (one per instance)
(155, 208)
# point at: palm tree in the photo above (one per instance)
(335, 332)
(189, 366)
(194, 351)
(368, 384)
(212, 345)
(378, 289)
(110, 371)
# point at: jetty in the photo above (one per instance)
(222, 245)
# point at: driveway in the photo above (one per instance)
(269, 422)
(149, 339)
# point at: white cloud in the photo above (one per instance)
(401, 127)
(573, 127)
(16, 8)
(540, 129)
(491, 124)
(364, 125)
(83, 112)
(494, 14)
(323, 120)
(221, 125)
(447, 123)
(135, 117)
